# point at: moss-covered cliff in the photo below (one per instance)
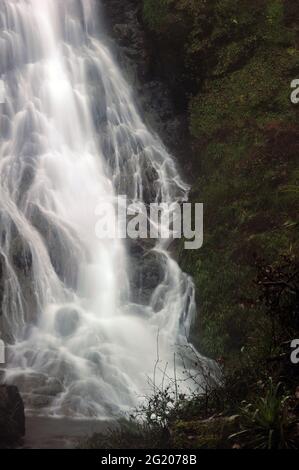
(233, 62)
(230, 65)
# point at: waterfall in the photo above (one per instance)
(83, 321)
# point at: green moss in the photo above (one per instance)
(156, 13)
(207, 434)
(250, 96)
(239, 58)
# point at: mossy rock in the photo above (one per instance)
(212, 433)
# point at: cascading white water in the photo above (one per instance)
(82, 343)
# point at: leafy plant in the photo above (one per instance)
(266, 423)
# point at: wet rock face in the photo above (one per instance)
(16, 256)
(122, 17)
(12, 416)
(150, 179)
(137, 55)
(21, 255)
(38, 390)
(146, 270)
(67, 321)
(57, 240)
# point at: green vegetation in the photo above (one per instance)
(235, 61)
(265, 424)
(239, 60)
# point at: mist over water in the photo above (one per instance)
(83, 343)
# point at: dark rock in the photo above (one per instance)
(21, 255)
(27, 177)
(60, 242)
(12, 416)
(137, 55)
(28, 383)
(125, 33)
(53, 388)
(67, 321)
(147, 270)
(38, 390)
(37, 384)
(150, 178)
(38, 401)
